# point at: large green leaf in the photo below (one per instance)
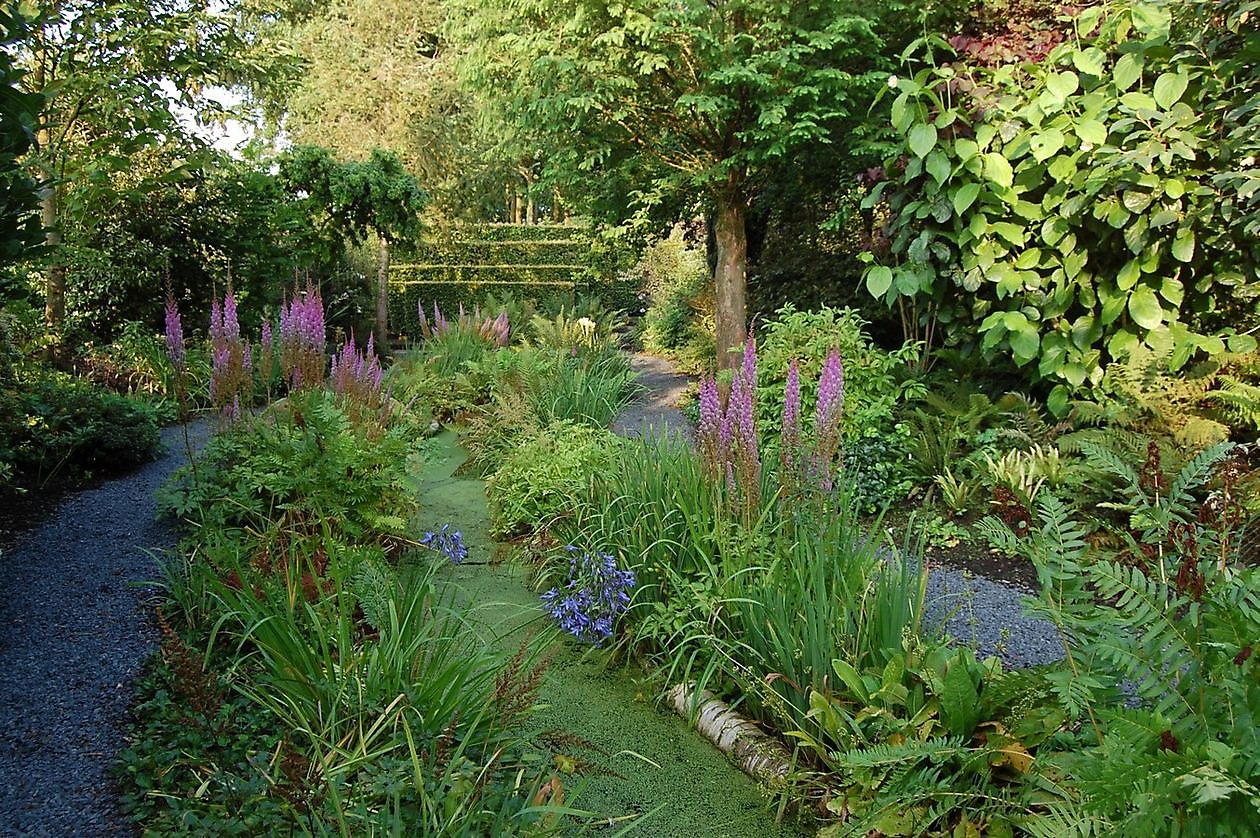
(1183, 245)
(1089, 61)
(1062, 85)
(1128, 70)
(1091, 131)
(878, 280)
(1046, 144)
(998, 169)
(1144, 308)
(922, 139)
(1169, 88)
(965, 196)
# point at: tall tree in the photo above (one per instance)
(19, 116)
(698, 95)
(110, 71)
(377, 195)
(378, 74)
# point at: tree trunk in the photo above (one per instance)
(557, 209)
(530, 215)
(55, 275)
(730, 274)
(382, 299)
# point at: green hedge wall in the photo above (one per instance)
(526, 261)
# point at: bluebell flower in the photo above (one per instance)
(596, 593)
(449, 544)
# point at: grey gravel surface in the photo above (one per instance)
(655, 411)
(990, 617)
(74, 630)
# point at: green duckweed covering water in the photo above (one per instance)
(670, 776)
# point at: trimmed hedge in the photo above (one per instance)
(525, 261)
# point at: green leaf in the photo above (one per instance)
(1046, 144)
(937, 165)
(965, 196)
(1138, 101)
(1144, 308)
(1173, 291)
(878, 280)
(1089, 61)
(1169, 87)
(901, 114)
(1025, 343)
(960, 703)
(1183, 245)
(922, 139)
(1127, 71)
(1241, 344)
(1074, 373)
(1062, 85)
(1091, 131)
(998, 169)
(1057, 401)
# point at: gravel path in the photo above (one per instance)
(74, 631)
(655, 411)
(990, 617)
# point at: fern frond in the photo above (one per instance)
(1238, 401)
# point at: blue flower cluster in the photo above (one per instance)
(449, 544)
(597, 593)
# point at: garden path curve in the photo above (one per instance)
(74, 632)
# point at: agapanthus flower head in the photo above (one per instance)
(596, 593)
(448, 542)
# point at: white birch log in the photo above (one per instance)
(756, 753)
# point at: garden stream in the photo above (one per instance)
(650, 764)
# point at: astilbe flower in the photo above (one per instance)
(175, 349)
(302, 339)
(495, 330)
(709, 432)
(356, 373)
(828, 416)
(447, 542)
(230, 358)
(790, 453)
(728, 436)
(596, 594)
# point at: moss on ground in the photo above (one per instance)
(668, 775)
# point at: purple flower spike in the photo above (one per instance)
(830, 392)
(175, 349)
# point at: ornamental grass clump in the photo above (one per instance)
(495, 330)
(596, 594)
(302, 339)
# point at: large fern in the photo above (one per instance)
(1179, 634)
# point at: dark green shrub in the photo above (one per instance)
(53, 427)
